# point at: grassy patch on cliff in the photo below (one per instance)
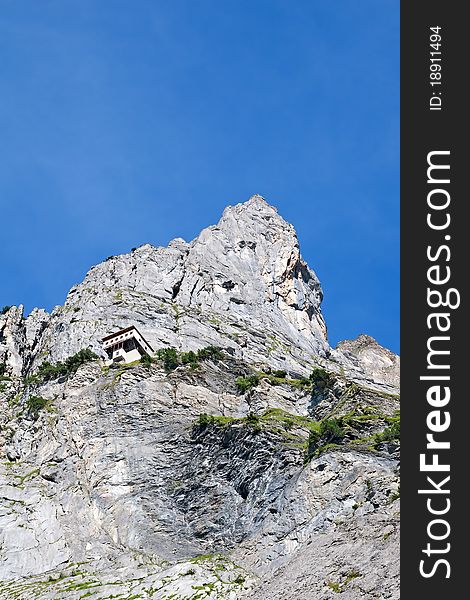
(318, 380)
(35, 404)
(312, 436)
(291, 429)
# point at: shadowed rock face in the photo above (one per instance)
(117, 485)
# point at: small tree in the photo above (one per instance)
(34, 404)
(321, 379)
(146, 360)
(81, 357)
(331, 431)
(389, 434)
(254, 421)
(246, 383)
(169, 357)
(204, 420)
(189, 358)
(48, 371)
(210, 352)
(5, 309)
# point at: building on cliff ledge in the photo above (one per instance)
(125, 346)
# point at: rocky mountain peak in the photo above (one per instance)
(370, 358)
(257, 214)
(240, 284)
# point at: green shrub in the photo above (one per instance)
(252, 418)
(331, 431)
(321, 379)
(335, 586)
(313, 440)
(210, 352)
(146, 360)
(172, 358)
(81, 357)
(280, 374)
(246, 383)
(254, 422)
(189, 358)
(353, 574)
(169, 357)
(325, 448)
(204, 420)
(329, 434)
(31, 380)
(389, 434)
(3, 369)
(34, 404)
(48, 371)
(392, 433)
(5, 309)
(301, 382)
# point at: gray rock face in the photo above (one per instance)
(376, 362)
(19, 338)
(199, 482)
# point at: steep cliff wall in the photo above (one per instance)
(267, 468)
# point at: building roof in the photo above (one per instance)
(125, 330)
(120, 332)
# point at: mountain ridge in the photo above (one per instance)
(245, 275)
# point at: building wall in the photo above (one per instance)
(127, 357)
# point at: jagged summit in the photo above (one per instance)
(255, 204)
(256, 199)
(240, 284)
(255, 209)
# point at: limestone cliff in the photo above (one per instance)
(265, 465)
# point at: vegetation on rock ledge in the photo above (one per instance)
(48, 371)
(34, 404)
(172, 359)
(318, 380)
(314, 437)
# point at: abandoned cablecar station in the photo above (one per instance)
(125, 346)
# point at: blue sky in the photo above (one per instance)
(129, 122)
